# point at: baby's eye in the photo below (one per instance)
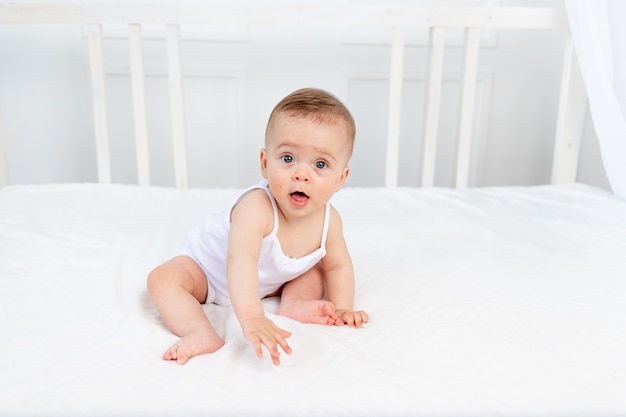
(287, 159)
(321, 165)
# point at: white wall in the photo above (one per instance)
(231, 87)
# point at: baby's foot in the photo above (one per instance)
(196, 342)
(309, 311)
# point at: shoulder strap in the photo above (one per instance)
(264, 186)
(326, 223)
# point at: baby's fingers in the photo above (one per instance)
(258, 350)
(272, 343)
(275, 354)
(364, 317)
(360, 317)
(353, 319)
(280, 338)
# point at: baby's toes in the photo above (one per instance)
(171, 354)
(182, 358)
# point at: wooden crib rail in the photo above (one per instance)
(437, 19)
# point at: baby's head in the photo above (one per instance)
(317, 106)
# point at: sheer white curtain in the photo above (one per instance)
(599, 32)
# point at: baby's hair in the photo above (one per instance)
(316, 105)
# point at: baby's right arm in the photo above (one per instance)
(249, 224)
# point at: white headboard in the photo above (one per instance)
(438, 20)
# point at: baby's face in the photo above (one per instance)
(305, 163)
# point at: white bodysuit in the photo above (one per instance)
(208, 246)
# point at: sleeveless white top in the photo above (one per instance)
(208, 246)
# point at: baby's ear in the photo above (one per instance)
(343, 178)
(263, 160)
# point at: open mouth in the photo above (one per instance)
(298, 198)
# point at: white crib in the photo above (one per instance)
(438, 20)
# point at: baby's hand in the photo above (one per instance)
(262, 331)
(351, 318)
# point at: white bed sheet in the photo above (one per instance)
(494, 301)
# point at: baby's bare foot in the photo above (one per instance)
(309, 311)
(196, 342)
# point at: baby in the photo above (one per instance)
(280, 237)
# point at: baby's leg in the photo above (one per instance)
(301, 299)
(177, 288)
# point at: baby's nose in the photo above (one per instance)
(301, 174)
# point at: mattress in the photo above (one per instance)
(487, 301)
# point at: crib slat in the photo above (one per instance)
(139, 104)
(99, 97)
(466, 118)
(176, 105)
(395, 103)
(570, 119)
(433, 96)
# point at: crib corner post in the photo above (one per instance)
(570, 119)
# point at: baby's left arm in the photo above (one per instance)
(339, 275)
